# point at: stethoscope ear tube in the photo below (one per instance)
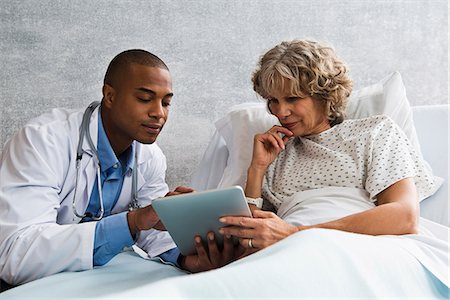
(84, 131)
(134, 201)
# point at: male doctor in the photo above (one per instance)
(54, 218)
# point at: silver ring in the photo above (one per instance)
(250, 244)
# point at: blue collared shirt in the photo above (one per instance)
(112, 234)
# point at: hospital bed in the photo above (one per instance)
(310, 264)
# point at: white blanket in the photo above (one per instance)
(327, 204)
(315, 263)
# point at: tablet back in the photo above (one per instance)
(197, 213)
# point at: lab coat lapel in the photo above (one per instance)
(125, 197)
(88, 166)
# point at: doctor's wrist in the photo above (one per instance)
(131, 218)
(143, 218)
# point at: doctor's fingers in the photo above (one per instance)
(214, 253)
(203, 258)
(184, 189)
(228, 249)
(180, 190)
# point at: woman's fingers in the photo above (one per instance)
(246, 221)
(273, 136)
(239, 221)
(238, 231)
(258, 213)
(280, 129)
(276, 140)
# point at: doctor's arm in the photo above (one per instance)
(32, 243)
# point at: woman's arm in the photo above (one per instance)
(397, 212)
(266, 147)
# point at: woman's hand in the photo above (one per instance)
(263, 230)
(209, 259)
(267, 146)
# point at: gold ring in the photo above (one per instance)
(250, 244)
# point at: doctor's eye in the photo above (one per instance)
(145, 99)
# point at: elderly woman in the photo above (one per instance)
(319, 170)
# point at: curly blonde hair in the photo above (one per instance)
(305, 68)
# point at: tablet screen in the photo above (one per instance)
(197, 213)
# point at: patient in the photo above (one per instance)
(319, 170)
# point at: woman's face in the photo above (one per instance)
(302, 115)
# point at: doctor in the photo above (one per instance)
(76, 186)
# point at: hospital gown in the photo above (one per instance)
(340, 171)
(371, 154)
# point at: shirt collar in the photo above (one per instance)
(106, 154)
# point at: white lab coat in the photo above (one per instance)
(39, 234)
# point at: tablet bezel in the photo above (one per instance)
(197, 213)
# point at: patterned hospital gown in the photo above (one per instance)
(371, 154)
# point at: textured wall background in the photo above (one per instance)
(55, 53)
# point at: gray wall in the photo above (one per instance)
(54, 54)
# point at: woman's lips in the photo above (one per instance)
(290, 125)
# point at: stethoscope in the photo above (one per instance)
(84, 131)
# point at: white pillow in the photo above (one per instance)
(387, 97)
(239, 126)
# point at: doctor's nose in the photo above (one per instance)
(157, 110)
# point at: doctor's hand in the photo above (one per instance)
(209, 259)
(180, 190)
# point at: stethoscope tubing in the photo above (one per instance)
(84, 130)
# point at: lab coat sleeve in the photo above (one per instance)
(32, 245)
(153, 174)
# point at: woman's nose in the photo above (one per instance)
(282, 111)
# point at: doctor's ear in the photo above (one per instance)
(108, 94)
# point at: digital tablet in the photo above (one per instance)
(197, 213)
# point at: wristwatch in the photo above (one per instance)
(256, 201)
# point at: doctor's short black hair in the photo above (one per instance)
(132, 56)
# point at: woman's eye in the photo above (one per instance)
(167, 103)
(271, 101)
